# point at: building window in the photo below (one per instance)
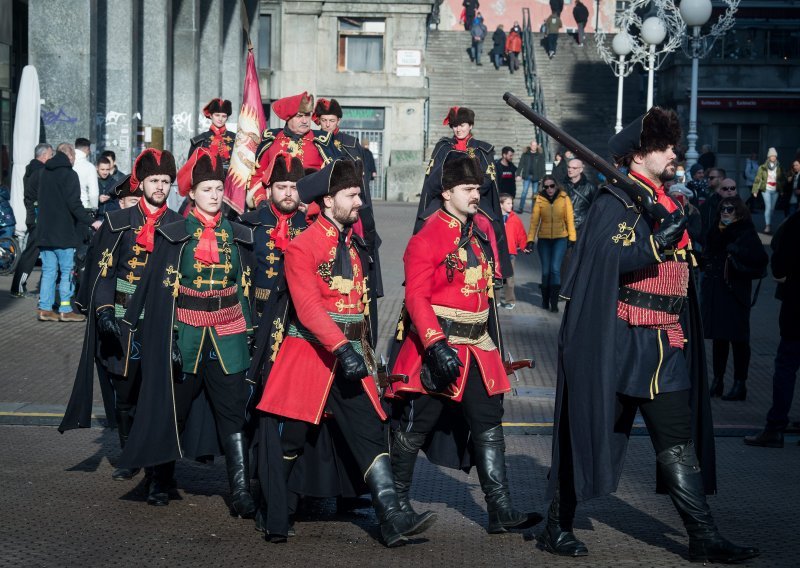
(738, 139)
(264, 56)
(361, 44)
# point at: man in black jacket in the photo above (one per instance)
(580, 190)
(786, 269)
(581, 14)
(30, 183)
(62, 221)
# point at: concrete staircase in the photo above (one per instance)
(580, 92)
(454, 81)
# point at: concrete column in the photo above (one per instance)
(117, 78)
(155, 67)
(186, 75)
(211, 48)
(62, 44)
(234, 53)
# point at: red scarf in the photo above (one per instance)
(147, 236)
(665, 201)
(218, 146)
(207, 251)
(280, 234)
(461, 145)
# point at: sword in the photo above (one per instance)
(512, 366)
(384, 379)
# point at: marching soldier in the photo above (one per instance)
(195, 297)
(217, 138)
(630, 282)
(451, 349)
(326, 360)
(296, 139)
(118, 259)
(461, 120)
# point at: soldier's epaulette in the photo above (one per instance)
(202, 137)
(619, 194)
(174, 232)
(242, 234)
(347, 140)
(269, 134)
(481, 145)
(321, 136)
(118, 220)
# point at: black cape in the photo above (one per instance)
(589, 373)
(111, 235)
(154, 437)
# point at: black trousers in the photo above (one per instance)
(228, 394)
(26, 262)
(481, 411)
(366, 435)
(126, 390)
(741, 358)
(667, 417)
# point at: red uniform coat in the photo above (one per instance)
(300, 380)
(275, 141)
(427, 285)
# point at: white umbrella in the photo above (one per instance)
(26, 137)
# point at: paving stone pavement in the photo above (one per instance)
(61, 508)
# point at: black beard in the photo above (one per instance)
(280, 206)
(343, 217)
(149, 199)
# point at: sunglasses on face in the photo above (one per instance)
(728, 188)
(548, 185)
(728, 209)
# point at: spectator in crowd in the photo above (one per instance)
(513, 49)
(61, 217)
(553, 229)
(556, 6)
(115, 173)
(733, 257)
(370, 170)
(707, 158)
(470, 7)
(750, 170)
(30, 184)
(581, 14)
(694, 224)
(478, 33)
(516, 238)
(710, 207)
(498, 46)
(560, 168)
(506, 172)
(697, 184)
(786, 270)
(106, 184)
(680, 174)
(580, 190)
(531, 170)
(7, 219)
(791, 191)
(768, 176)
(552, 27)
(87, 175)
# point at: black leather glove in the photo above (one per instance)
(528, 247)
(671, 230)
(351, 365)
(443, 363)
(107, 325)
(177, 358)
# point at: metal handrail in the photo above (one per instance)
(532, 82)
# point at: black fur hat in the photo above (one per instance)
(201, 166)
(458, 169)
(338, 175)
(459, 115)
(154, 162)
(654, 131)
(217, 105)
(325, 106)
(286, 168)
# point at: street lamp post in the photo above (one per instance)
(653, 33)
(622, 46)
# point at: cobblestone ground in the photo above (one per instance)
(61, 508)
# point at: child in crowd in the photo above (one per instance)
(516, 237)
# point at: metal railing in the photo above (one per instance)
(532, 81)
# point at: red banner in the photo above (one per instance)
(248, 135)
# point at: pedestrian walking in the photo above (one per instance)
(768, 178)
(477, 34)
(531, 170)
(580, 190)
(517, 239)
(552, 27)
(513, 49)
(581, 14)
(498, 46)
(791, 191)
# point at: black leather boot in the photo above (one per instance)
(557, 536)
(405, 449)
(545, 296)
(396, 524)
(738, 391)
(716, 387)
(124, 423)
(237, 464)
(765, 439)
(490, 461)
(554, 292)
(680, 471)
(161, 484)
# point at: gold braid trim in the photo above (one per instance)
(484, 342)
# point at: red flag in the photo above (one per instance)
(248, 135)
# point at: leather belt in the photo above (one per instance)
(472, 331)
(122, 298)
(352, 330)
(655, 302)
(210, 304)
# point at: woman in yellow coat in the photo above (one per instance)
(553, 228)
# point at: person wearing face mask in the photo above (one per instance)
(733, 257)
(768, 176)
(195, 296)
(216, 138)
